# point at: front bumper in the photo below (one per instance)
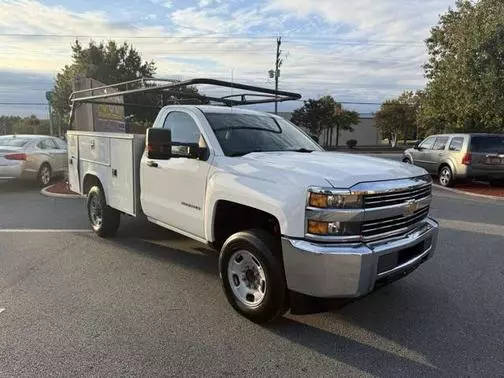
(352, 270)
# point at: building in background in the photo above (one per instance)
(365, 133)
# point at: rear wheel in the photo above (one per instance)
(104, 219)
(446, 176)
(44, 175)
(252, 275)
(497, 182)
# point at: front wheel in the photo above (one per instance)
(252, 275)
(446, 176)
(104, 219)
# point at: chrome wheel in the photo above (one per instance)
(445, 176)
(95, 212)
(45, 175)
(246, 278)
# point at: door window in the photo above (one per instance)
(47, 144)
(183, 128)
(427, 143)
(456, 144)
(440, 143)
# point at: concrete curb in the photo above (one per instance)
(458, 191)
(47, 193)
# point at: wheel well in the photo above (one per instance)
(89, 182)
(444, 165)
(231, 217)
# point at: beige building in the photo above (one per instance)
(365, 133)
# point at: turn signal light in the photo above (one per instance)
(467, 159)
(15, 157)
(318, 228)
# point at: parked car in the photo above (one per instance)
(460, 156)
(32, 157)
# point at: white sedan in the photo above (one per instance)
(32, 157)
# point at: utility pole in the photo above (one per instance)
(278, 63)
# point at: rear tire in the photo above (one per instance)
(44, 175)
(497, 183)
(252, 275)
(104, 219)
(446, 176)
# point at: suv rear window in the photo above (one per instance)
(490, 144)
(456, 144)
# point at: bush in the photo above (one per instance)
(351, 143)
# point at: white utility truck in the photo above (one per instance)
(287, 218)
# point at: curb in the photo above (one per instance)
(458, 191)
(47, 193)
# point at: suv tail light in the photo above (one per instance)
(466, 160)
(15, 157)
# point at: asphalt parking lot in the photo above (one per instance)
(149, 302)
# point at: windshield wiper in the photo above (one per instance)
(301, 150)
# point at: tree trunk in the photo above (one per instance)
(337, 135)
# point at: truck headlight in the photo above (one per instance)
(316, 227)
(335, 201)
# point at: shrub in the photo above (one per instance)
(351, 143)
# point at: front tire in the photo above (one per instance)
(407, 161)
(252, 275)
(104, 219)
(446, 176)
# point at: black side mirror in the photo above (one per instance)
(159, 145)
(417, 145)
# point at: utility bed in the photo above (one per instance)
(112, 157)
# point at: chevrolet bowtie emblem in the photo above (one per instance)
(410, 207)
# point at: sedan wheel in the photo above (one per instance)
(44, 175)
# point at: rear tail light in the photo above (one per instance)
(466, 160)
(15, 157)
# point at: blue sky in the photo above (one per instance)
(357, 51)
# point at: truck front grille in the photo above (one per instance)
(376, 229)
(396, 197)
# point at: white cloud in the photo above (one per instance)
(344, 50)
(167, 4)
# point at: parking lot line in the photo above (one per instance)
(26, 230)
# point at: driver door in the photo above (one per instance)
(422, 155)
(173, 190)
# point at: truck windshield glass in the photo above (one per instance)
(240, 134)
(487, 144)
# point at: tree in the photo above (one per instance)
(397, 118)
(30, 125)
(7, 123)
(324, 114)
(465, 71)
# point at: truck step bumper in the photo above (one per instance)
(353, 270)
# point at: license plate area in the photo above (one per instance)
(392, 260)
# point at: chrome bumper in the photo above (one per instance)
(351, 270)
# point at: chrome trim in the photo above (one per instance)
(390, 186)
(335, 215)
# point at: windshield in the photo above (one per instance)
(239, 134)
(12, 142)
(489, 144)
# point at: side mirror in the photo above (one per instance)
(159, 145)
(417, 145)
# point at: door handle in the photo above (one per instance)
(151, 163)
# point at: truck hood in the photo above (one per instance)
(322, 168)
